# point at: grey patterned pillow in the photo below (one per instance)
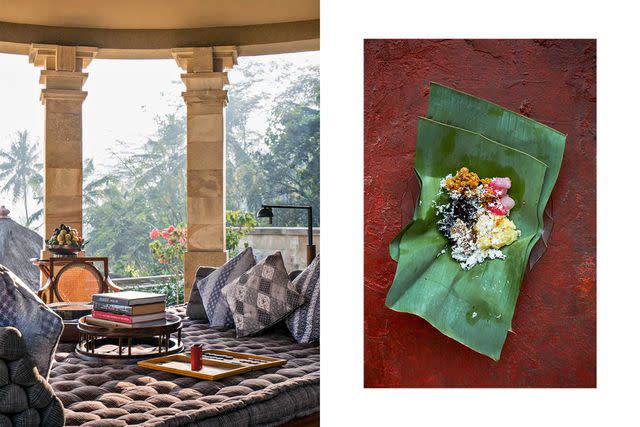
(195, 308)
(304, 323)
(40, 326)
(214, 304)
(262, 296)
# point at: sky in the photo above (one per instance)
(124, 97)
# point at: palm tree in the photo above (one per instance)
(18, 169)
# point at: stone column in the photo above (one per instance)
(205, 80)
(62, 97)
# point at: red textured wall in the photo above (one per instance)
(552, 81)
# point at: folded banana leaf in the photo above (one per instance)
(465, 111)
(476, 306)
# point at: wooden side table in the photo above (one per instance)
(130, 343)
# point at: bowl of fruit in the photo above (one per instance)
(65, 241)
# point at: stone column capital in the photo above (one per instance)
(206, 77)
(62, 95)
(205, 81)
(62, 67)
(62, 79)
(61, 58)
(205, 59)
(205, 97)
(205, 87)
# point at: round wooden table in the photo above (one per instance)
(130, 343)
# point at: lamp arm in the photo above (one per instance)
(311, 249)
(287, 206)
(310, 225)
(309, 217)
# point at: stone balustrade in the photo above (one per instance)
(291, 241)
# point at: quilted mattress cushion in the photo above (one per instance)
(95, 393)
(25, 397)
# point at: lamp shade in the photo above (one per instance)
(266, 212)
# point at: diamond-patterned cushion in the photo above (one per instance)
(304, 323)
(215, 305)
(40, 326)
(262, 296)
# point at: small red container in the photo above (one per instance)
(196, 357)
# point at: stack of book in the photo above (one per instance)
(129, 309)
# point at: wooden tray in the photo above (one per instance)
(212, 369)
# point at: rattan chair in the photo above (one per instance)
(75, 279)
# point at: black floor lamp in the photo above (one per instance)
(267, 212)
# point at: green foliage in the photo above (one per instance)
(293, 159)
(19, 170)
(146, 185)
(239, 224)
(284, 167)
(173, 289)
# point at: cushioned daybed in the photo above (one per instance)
(95, 393)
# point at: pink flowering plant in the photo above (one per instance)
(168, 247)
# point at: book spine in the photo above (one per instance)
(127, 310)
(110, 300)
(150, 300)
(122, 318)
(106, 323)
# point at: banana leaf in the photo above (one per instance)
(476, 306)
(462, 110)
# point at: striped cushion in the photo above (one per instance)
(304, 323)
